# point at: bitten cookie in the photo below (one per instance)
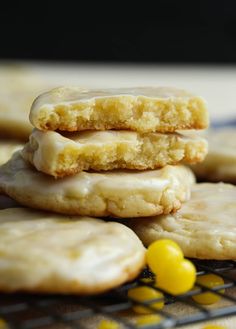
(49, 253)
(59, 156)
(114, 193)
(204, 227)
(220, 162)
(143, 109)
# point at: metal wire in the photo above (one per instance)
(73, 312)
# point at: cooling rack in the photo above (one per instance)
(72, 312)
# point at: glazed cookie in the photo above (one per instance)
(204, 227)
(59, 156)
(50, 253)
(7, 148)
(220, 163)
(114, 193)
(144, 109)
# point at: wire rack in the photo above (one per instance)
(71, 312)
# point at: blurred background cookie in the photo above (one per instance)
(7, 148)
(220, 162)
(19, 86)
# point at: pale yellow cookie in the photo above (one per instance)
(220, 163)
(143, 109)
(14, 112)
(204, 227)
(7, 148)
(114, 193)
(59, 156)
(18, 89)
(50, 253)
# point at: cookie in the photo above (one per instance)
(59, 156)
(220, 163)
(49, 253)
(204, 227)
(144, 109)
(14, 112)
(18, 89)
(114, 193)
(7, 148)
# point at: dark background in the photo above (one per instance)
(170, 31)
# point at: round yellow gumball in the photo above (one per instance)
(210, 281)
(178, 278)
(162, 253)
(145, 294)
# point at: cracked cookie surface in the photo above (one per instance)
(204, 227)
(50, 253)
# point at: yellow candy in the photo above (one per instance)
(146, 280)
(108, 324)
(3, 324)
(148, 319)
(142, 294)
(213, 326)
(178, 278)
(210, 281)
(161, 253)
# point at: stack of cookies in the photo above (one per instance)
(106, 153)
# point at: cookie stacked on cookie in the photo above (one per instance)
(108, 152)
